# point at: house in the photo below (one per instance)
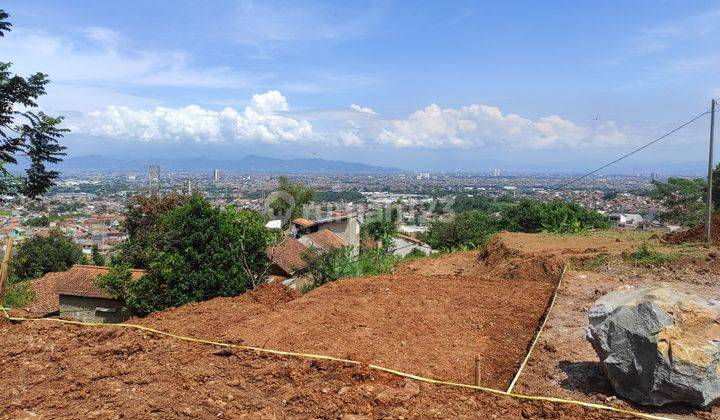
(286, 258)
(73, 294)
(403, 245)
(344, 225)
(323, 239)
(626, 219)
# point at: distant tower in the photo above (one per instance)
(187, 187)
(496, 172)
(216, 175)
(154, 178)
(653, 176)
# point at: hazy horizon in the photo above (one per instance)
(450, 86)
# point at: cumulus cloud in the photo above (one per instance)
(257, 123)
(363, 110)
(268, 119)
(483, 126)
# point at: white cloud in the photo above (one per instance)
(101, 57)
(268, 119)
(363, 110)
(256, 124)
(482, 126)
(270, 101)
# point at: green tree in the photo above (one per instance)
(300, 194)
(38, 256)
(96, 256)
(551, 216)
(24, 132)
(141, 225)
(381, 225)
(683, 198)
(465, 230)
(198, 252)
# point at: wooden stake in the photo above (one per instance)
(477, 370)
(4, 270)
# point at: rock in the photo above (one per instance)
(658, 346)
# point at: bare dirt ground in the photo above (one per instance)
(65, 371)
(430, 317)
(428, 325)
(565, 365)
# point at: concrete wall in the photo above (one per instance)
(89, 309)
(402, 247)
(348, 229)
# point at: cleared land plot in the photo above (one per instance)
(428, 325)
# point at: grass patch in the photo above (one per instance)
(646, 256)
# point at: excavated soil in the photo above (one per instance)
(431, 317)
(696, 234)
(428, 325)
(61, 371)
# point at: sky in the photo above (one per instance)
(454, 85)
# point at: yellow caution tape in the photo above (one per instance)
(352, 362)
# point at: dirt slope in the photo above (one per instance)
(428, 325)
(77, 372)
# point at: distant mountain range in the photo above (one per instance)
(250, 163)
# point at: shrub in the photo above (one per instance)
(465, 230)
(553, 216)
(644, 255)
(327, 266)
(18, 295)
(38, 256)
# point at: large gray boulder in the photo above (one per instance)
(658, 346)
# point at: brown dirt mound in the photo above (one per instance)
(61, 371)
(428, 325)
(696, 234)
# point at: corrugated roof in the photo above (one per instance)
(288, 255)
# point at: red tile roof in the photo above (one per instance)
(47, 299)
(326, 239)
(288, 255)
(304, 222)
(80, 281)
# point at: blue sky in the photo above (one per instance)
(418, 85)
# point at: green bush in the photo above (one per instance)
(195, 252)
(465, 230)
(39, 255)
(552, 216)
(645, 256)
(327, 266)
(18, 295)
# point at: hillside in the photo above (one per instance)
(431, 317)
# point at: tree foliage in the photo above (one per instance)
(197, 252)
(474, 228)
(550, 216)
(39, 255)
(25, 132)
(469, 229)
(141, 225)
(301, 195)
(683, 199)
(96, 257)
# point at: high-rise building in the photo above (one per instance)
(216, 175)
(154, 174)
(154, 179)
(496, 172)
(187, 187)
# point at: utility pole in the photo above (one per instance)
(5, 268)
(708, 206)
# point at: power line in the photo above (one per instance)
(678, 128)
